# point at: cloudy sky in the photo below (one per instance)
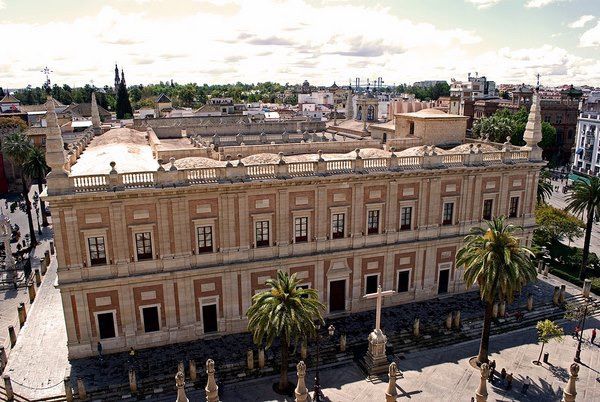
(220, 41)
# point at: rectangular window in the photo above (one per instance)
(205, 239)
(262, 233)
(337, 229)
(447, 214)
(558, 118)
(301, 229)
(514, 207)
(405, 218)
(373, 222)
(143, 246)
(371, 283)
(487, 209)
(403, 281)
(97, 251)
(151, 320)
(106, 325)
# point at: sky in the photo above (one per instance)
(288, 41)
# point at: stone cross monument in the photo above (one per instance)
(533, 129)
(376, 360)
(212, 391)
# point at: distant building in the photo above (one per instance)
(587, 153)
(162, 105)
(462, 92)
(428, 83)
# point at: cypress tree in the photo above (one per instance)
(123, 109)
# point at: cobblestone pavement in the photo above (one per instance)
(445, 374)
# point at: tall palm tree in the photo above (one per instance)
(287, 312)
(18, 147)
(585, 200)
(544, 188)
(35, 168)
(494, 259)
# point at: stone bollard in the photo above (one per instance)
(43, 266)
(587, 288)
(561, 295)
(22, 314)
(261, 358)
(570, 392)
(482, 394)
(556, 295)
(301, 392)
(3, 358)
(132, 381)
(303, 350)
(31, 290)
(180, 383)
(456, 321)
(529, 302)
(449, 321)
(81, 389)
(12, 335)
(416, 327)
(212, 390)
(47, 257)
(38, 278)
(546, 270)
(502, 309)
(181, 368)
(540, 266)
(342, 342)
(52, 248)
(392, 393)
(68, 389)
(8, 390)
(250, 359)
(495, 310)
(193, 371)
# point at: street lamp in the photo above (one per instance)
(578, 353)
(36, 200)
(318, 395)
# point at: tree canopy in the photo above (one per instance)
(555, 225)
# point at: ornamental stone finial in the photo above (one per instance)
(392, 393)
(112, 168)
(570, 391)
(482, 393)
(172, 161)
(212, 390)
(180, 383)
(301, 391)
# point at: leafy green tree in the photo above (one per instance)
(17, 148)
(555, 224)
(548, 330)
(494, 259)
(287, 312)
(124, 110)
(11, 124)
(544, 187)
(585, 199)
(35, 167)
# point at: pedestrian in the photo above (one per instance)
(509, 380)
(526, 384)
(593, 335)
(492, 371)
(99, 350)
(503, 373)
(576, 332)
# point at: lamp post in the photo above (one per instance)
(318, 395)
(36, 200)
(578, 352)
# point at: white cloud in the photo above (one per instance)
(2, 4)
(591, 37)
(481, 4)
(581, 21)
(541, 3)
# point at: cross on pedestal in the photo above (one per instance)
(379, 296)
(375, 361)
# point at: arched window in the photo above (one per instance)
(370, 113)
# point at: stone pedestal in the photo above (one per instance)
(43, 266)
(375, 360)
(261, 358)
(392, 393)
(180, 384)
(530, 302)
(181, 368)
(38, 277)
(502, 309)
(587, 288)
(343, 343)
(212, 390)
(68, 389)
(556, 295)
(456, 320)
(250, 359)
(12, 335)
(132, 381)
(546, 270)
(495, 310)
(47, 257)
(193, 371)
(22, 314)
(482, 394)
(570, 392)
(8, 390)
(561, 295)
(81, 390)
(3, 358)
(416, 328)
(448, 322)
(31, 291)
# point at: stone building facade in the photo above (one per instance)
(171, 255)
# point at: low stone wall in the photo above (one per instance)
(340, 147)
(400, 144)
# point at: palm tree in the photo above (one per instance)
(287, 312)
(35, 167)
(544, 188)
(18, 147)
(585, 199)
(494, 259)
